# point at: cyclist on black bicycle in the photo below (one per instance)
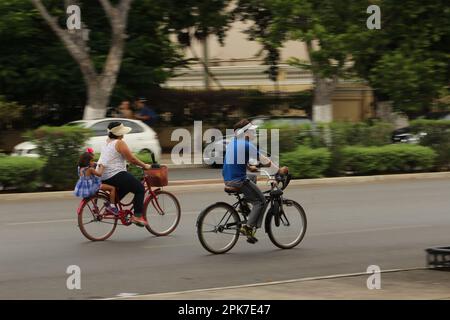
(239, 152)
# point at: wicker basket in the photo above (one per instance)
(157, 177)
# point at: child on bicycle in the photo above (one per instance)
(238, 155)
(90, 183)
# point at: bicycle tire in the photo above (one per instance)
(81, 225)
(153, 230)
(270, 231)
(200, 225)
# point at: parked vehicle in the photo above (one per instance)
(215, 151)
(142, 138)
(405, 135)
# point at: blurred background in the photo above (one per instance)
(312, 68)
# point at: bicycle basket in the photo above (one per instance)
(157, 177)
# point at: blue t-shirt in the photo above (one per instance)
(237, 154)
(146, 111)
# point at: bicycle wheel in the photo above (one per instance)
(218, 228)
(95, 224)
(291, 226)
(162, 213)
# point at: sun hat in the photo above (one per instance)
(119, 130)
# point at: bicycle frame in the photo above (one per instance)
(274, 194)
(125, 214)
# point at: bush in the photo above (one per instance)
(305, 162)
(437, 138)
(60, 147)
(20, 173)
(399, 158)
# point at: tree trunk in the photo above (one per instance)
(99, 86)
(97, 102)
(322, 105)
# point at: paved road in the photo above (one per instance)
(350, 227)
(195, 173)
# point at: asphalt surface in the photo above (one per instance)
(350, 227)
(195, 173)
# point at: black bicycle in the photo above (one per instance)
(218, 226)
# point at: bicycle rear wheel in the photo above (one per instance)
(218, 228)
(162, 212)
(290, 229)
(93, 220)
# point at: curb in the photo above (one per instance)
(194, 185)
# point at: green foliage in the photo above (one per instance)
(408, 59)
(9, 111)
(437, 138)
(399, 158)
(36, 69)
(305, 162)
(137, 171)
(21, 173)
(61, 148)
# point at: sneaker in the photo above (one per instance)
(139, 221)
(249, 232)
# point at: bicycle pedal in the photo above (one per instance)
(252, 240)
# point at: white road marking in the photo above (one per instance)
(39, 222)
(336, 276)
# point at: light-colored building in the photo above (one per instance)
(239, 64)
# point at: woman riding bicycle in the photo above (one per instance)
(237, 156)
(114, 157)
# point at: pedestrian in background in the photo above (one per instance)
(145, 113)
(124, 110)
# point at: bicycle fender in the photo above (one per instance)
(212, 205)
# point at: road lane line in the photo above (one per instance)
(73, 220)
(307, 235)
(260, 284)
(372, 230)
(38, 222)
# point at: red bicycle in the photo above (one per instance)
(161, 210)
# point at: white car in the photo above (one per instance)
(142, 138)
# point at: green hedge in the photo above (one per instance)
(305, 162)
(61, 148)
(399, 158)
(437, 138)
(21, 173)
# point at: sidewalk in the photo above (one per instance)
(217, 184)
(414, 284)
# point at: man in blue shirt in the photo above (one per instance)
(239, 153)
(144, 113)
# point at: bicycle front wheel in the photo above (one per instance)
(162, 212)
(290, 230)
(218, 228)
(93, 220)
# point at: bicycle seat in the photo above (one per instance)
(232, 190)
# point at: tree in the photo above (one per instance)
(9, 111)
(322, 25)
(199, 19)
(37, 71)
(407, 61)
(99, 85)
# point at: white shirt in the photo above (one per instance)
(112, 160)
